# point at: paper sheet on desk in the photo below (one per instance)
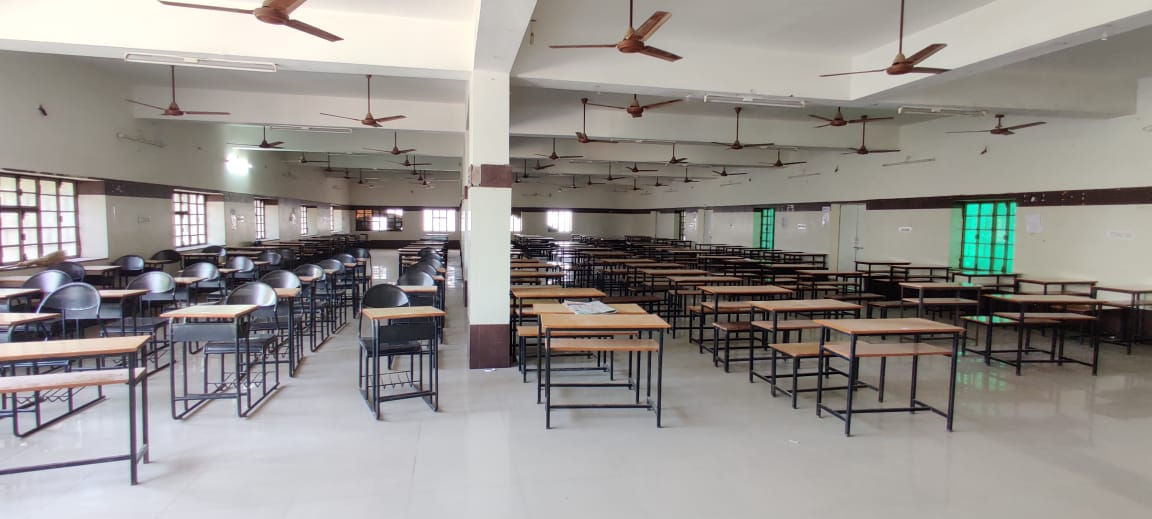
(591, 307)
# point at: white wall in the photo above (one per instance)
(804, 231)
(731, 228)
(920, 236)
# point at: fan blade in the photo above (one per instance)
(284, 5)
(735, 174)
(401, 152)
(722, 143)
(275, 144)
(822, 118)
(870, 119)
(850, 73)
(340, 117)
(926, 52)
(758, 145)
(378, 149)
(927, 70)
(314, 31)
(145, 104)
(390, 118)
(606, 46)
(659, 53)
(791, 163)
(1026, 125)
(651, 25)
(208, 7)
(971, 131)
(882, 151)
(569, 156)
(608, 106)
(193, 112)
(661, 103)
(546, 166)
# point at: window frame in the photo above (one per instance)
(38, 205)
(439, 220)
(379, 220)
(516, 222)
(260, 218)
(332, 218)
(559, 221)
(302, 220)
(987, 236)
(766, 228)
(189, 231)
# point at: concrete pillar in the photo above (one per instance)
(487, 208)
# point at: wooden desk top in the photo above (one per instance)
(794, 266)
(188, 280)
(979, 274)
(1055, 299)
(288, 293)
(200, 254)
(560, 308)
(210, 312)
(34, 350)
(226, 271)
(603, 322)
(8, 293)
(604, 253)
(657, 265)
(159, 261)
(402, 312)
(1126, 289)
(818, 272)
(308, 279)
(17, 319)
(1056, 281)
(940, 286)
(887, 326)
(882, 262)
(534, 274)
(672, 272)
(121, 293)
(625, 261)
(100, 269)
(1054, 316)
(719, 257)
(684, 280)
(899, 349)
(805, 305)
(556, 292)
(908, 266)
(13, 281)
(419, 289)
(745, 290)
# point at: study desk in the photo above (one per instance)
(8, 295)
(921, 289)
(1024, 302)
(217, 323)
(606, 324)
(1137, 299)
(295, 341)
(854, 350)
(101, 275)
(1000, 282)
(718, 293)
(13, 281)
(370, 374)
(1080, 287)
(133, 376)
(10, 320)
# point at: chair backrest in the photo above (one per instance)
(74, 270)
(287, 254)
(252, 293)
(360, 253)
(160, 286)
(423, 267)
(48, 280)
(72, 301)
(202, 269)
(241, 263)
(167, 255)
(332, 264)
(130, 263)
(281, 279)
(415, 278)
(428, 251)
(436, 263)
(385, 296)
(212, 248)
(272, 257)
(311, 270)
(345, 258)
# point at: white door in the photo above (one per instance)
(850, 248)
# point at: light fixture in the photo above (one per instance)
(908, 160)
(237, 165)
(936, 110)
(141, 140)
(753, 100)
(802, 175)
(192, 61)
(313, 129)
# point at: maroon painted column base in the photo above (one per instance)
(488, 346)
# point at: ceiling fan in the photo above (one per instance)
(264, 144)
(658, 184)
(634, 39)
(674, 159)
(591, 183)
(723, 172)
(904, 65)
(686, 179)
(636, 109)
(369, 120)
(781, 164)
(395, 147)
(736, 144)
(582, 136)
(275, 12)
(636, 187)
(636, 169)
(409, 164)
(173, 109)
(304, 159)
(573, 186)
(1000, 129)
(863, 150)
(554, 156)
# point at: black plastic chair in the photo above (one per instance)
(245, 269)
(131, 265)
(422, 279)
(317, 297)
(47, 281)
(77, 303)
(74, 270)
(414, 339)
(430, 260)
(166, 255)
(281, 279)
(274, 259)
(212, 285)
(161, 293)
(259, 345)
(341, 284)
(423, 267)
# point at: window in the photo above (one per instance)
(261, 221)
(332, 218)
(379, 219)
(764, 228)
(517, 223)
(680, 225)
(440, 220)
(559, 221)
(189, 219)
(989, 236)
(37, 217)
(303, 221)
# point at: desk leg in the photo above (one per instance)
(547, 379)
(659, 379)
(955, 360)
(132, 453)
(1020, 339)
(853, 374)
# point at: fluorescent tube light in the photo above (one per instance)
(192, 61)
(936, 110)
(906, 162)
(778, 102)
(313, 129)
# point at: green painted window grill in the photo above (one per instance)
(765, 228)
(989, 238)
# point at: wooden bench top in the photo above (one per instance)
(402, 312)
(604, 322)
(805, 305)
(804, 349)
(70, 348)
(532, 330)
(1056, 316)
(48, 381)
(786, 325)
(8, 320)
(569, 345)
(210, 312)
(898, 349)
(896, 326)
(941, 301)
(996, 320)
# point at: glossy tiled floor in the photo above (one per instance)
(1053, 443)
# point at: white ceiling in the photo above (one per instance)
(459, 10)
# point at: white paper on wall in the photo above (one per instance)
(1033, 224)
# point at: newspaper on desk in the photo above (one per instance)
(591, 307)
